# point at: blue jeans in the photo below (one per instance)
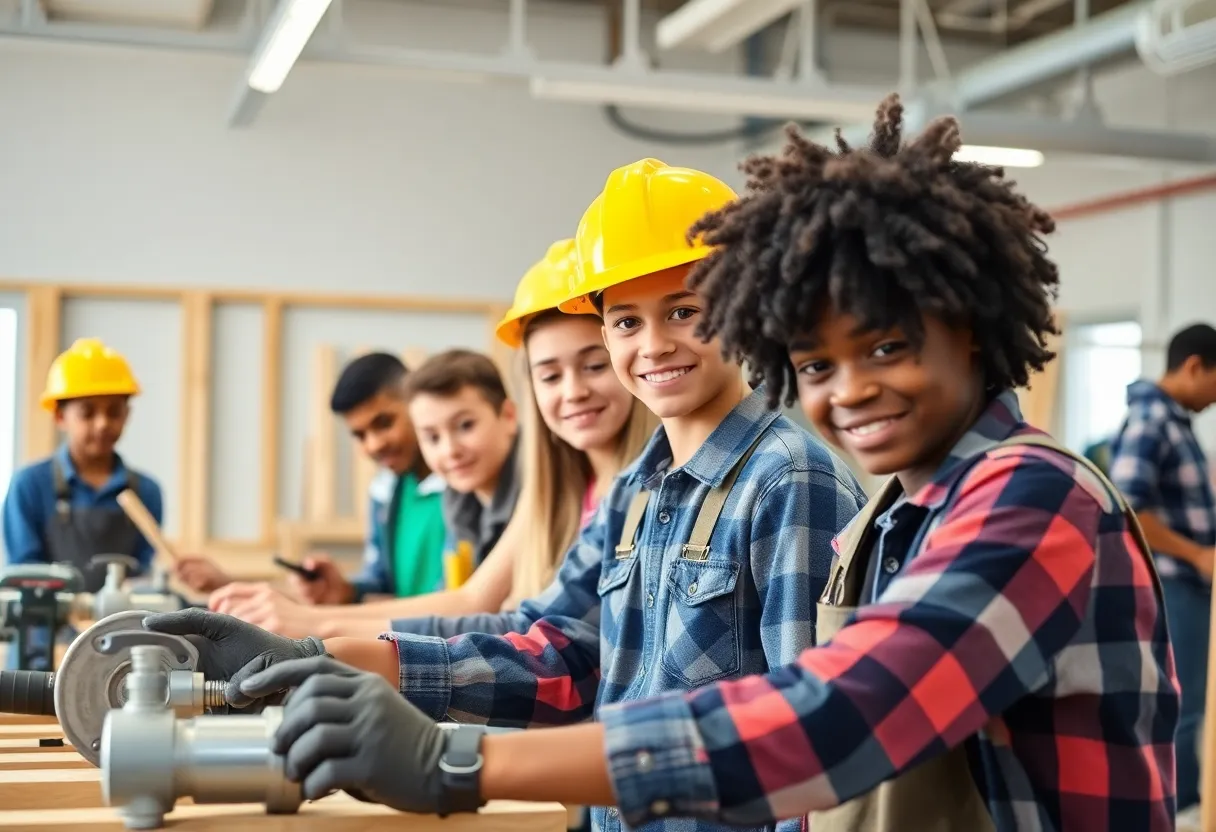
(1188, 607)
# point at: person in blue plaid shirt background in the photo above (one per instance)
(1158, 464)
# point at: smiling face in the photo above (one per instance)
(464, 438)
(92, 425)
(896, 409)
(382, 429)
(579, 397)
(649, 327)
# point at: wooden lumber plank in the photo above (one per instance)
(337, 813)
(26, 719)
(27, 745)
(57, 758)
(63, 788)
(414, 357)
(363, 471)
(272, 395)
(35, 726)
(1207, 742)
(43, 331)
(326, 300)
(1040, 401)
(194, 453)
(322, 438)
(505, 358)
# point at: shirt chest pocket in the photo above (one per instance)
(614, 590)
(701, 638)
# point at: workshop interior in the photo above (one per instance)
(607, 414)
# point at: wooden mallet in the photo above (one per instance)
(145, 522)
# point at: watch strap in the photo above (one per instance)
(460, 770)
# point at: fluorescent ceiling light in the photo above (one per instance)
(727, 96)
(1005, 157)
(717, 25)
(293, 25)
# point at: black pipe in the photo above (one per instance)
(27, 692)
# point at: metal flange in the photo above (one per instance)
(92, 678)
(150, 758)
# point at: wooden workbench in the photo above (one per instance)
(76, 795)
(337, 813)
(33, 778)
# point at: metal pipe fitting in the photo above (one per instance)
(150, 758)
(95, 678)
(61, 587)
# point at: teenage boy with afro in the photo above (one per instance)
(992, 649)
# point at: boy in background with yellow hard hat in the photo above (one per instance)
(64, 508)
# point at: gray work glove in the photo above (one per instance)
(230, 650)
(349, 730)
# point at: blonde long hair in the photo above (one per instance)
(555, 478)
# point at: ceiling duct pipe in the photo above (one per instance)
(1105, 36)
(1102, 38)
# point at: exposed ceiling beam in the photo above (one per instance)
(688, 92)
(287, 31)
(717, 25)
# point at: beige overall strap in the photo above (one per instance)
(633, 519)
(852, 539)
(1133, 521)
(697, 547)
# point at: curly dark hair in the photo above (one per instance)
(888, 233)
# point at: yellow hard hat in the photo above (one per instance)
(544, 286)
(88, 368)
(638, 225)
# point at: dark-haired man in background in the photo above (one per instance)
(1156, 461)
(405, 538)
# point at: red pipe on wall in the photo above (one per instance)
(1131, 199)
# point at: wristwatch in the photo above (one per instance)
(460, 771)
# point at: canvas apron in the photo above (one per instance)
(74, 535)
(939, 795)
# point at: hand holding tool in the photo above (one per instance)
(231, 649)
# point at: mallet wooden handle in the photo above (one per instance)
(145, 522)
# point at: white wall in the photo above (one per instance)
(116, 166)
(1152, 261)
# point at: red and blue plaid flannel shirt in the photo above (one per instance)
(1024, 623)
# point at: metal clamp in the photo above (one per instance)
(150, 758)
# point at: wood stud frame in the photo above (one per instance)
(43, 337)
(320, 522)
